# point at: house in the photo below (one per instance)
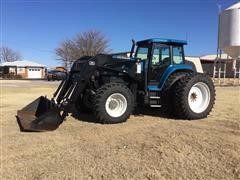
(60, 68)
(26, 69)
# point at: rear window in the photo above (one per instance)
(177, 55)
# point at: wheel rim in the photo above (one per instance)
(116, 105)
(199, 97)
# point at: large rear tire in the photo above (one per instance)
(194, 96)
(114, 102)
(167, 96)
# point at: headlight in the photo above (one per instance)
(91, 63)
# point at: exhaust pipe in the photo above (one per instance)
(40, 115)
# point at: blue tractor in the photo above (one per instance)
(155, 75)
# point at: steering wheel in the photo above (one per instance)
(165, 60)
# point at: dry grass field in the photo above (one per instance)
(145, 147)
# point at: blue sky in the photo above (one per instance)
(36, 27)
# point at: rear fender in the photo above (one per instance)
(170, 70)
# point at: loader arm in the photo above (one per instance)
(46, 115)
(71, 88)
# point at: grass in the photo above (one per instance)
(145, 147)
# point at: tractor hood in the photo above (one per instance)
(102, 60)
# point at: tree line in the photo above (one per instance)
(87, 43)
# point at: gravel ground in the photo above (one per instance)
(147, 146)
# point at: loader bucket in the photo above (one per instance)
(40, 115)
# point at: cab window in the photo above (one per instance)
(177, 55)
(161, 55)
(142, 53)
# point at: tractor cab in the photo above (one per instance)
(160, 57)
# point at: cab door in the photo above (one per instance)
(160, 60)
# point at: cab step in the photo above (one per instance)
(155, 106)
(154, 97)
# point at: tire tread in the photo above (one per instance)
(99, 103)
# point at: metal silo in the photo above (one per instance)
(229, 31)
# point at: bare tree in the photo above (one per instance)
(88, 43)
(9, 55)
(66, 53)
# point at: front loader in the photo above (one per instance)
(111, 87)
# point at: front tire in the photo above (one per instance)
(194, 96)
(114, 102)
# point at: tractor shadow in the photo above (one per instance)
(138, 112)
(155, 112)
(80, 116)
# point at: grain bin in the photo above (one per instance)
(229, 31)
